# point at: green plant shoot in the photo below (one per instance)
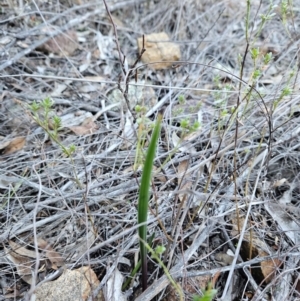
(144, 198)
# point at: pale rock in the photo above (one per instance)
(72, 285)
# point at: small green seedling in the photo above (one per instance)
(208, 294)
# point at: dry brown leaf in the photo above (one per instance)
(13, 145)
(182, 169)
(24, 259)
(158, 174)
(88, 127)
(182, 177)
(4, 144)
(183, 196)
(63, 44)
(264, 272)
(253, 246)
(21, 250)
(23, 263)
(268, 267)
(55, 259)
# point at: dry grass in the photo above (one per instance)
(230, 166)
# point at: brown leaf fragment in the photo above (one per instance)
(157, 174)
(63, 44)
(269, 267)
(13, 145)
(86, 128)
(182, 169)
(23, 264)
(53, 256)
(4, 144)
(21, 250)
(24, 258)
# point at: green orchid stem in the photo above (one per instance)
(144, 198)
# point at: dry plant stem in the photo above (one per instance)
(233, 249)
(39, 28)
(179, 225)
(169, 253)
(88, 214)
(166, 272)
(169, 238)
(177, 215)
(107, 193)
(143, 85)
(214, 166)
(126, 73)
(121, 59)
(179, 229)
(241, 265)
(236, 255)
(108, 82)
(36, 266)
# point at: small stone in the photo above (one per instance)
(72, 285)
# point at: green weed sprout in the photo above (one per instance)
(42, 114)
(50, 125)
(144, 198)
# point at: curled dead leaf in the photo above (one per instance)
(13, 145)
(265, 271)
(86, 128)
(63, 44)
(25, 259)
(158, 174)
(269, 267)
(252, 247)
(54, 257)
(23, 264)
